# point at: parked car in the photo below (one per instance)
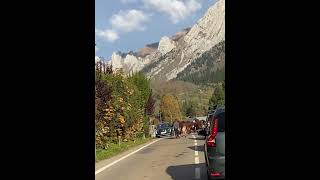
(214, 147)
(163, 129)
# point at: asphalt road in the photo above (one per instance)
(165, 159)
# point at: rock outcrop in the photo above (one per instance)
(166, 45)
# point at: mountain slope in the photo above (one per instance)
(209, 31)
(185, 92)
(208, 68)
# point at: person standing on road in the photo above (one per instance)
(176, 128)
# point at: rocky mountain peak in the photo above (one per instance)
(165, 45)
(164, 60)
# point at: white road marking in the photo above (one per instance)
(196, 150)
(114, 162)
(197, 173)
(196, 160)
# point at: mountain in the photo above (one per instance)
(207, 69)
(164, 60)
(150, 48)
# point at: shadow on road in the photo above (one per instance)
(199, 148)
(183, 172)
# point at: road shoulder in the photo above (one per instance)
(102, 163)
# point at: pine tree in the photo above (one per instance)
(218, 97)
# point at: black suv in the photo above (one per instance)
(163, 129)
(214, 148)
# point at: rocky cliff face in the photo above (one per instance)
(129, 63)
(166, 45)
(174, 54)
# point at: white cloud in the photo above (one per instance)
(130, 20)
(124, 21)
(108, 34)
(176, 9)
(128, 1)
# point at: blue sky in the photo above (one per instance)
(125, 25)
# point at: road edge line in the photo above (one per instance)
(118, 160)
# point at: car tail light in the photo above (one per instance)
(215, 174)
(211, 140)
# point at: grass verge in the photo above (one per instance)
(115, 149)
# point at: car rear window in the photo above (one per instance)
(221, 122)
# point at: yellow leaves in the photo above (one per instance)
(130, 92)
(121, 120)
(109, 110)
(170, 108)
(124, 109)
(109, 114)
(105, 130)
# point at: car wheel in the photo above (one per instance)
(208, 175)
(205, 158)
